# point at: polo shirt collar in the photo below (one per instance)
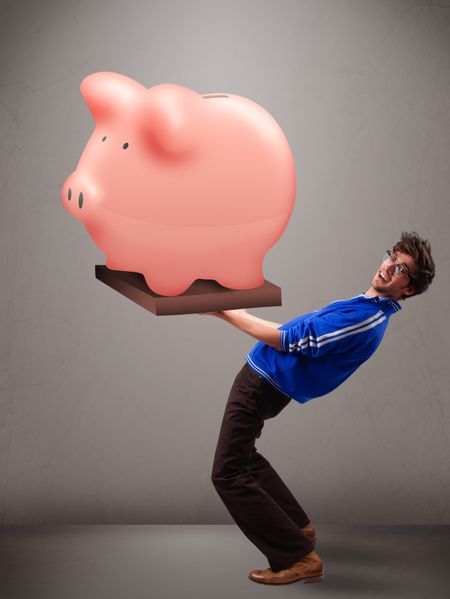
(386, 303)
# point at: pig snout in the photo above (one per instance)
(78, 197)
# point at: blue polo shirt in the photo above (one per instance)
(321, 349)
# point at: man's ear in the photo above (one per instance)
(409, 291)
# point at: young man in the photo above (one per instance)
(302, 359)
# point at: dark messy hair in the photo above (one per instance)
(420, 251)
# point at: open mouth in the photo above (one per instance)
(382, 277)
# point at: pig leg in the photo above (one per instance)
(241, 272)
(168, 281)
(167, 289)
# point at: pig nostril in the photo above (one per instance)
(69, 194)
(125, 146)
(80, 199)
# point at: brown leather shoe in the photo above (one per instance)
(309, 569)
(309, 533)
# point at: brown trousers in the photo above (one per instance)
(255, 496)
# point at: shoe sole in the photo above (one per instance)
(307, 580)
(314, 579)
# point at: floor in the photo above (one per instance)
(213, 561)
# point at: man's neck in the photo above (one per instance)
(372, 293)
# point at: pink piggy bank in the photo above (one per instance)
(180, 186)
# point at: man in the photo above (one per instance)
(302, 359)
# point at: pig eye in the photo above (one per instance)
(125, 146)
(103, 138)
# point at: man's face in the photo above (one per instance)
(386, 283)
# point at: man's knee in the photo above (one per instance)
(222, 478)
(217, 476)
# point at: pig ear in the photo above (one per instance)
(107, 94)
(172, 118)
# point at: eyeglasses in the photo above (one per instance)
(400, 268)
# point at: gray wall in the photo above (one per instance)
(111, 414)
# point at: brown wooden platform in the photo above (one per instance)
(202, 295)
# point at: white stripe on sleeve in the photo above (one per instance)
(337, 335)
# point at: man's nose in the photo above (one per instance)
(391, 267)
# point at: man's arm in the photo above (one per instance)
(261, 329)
